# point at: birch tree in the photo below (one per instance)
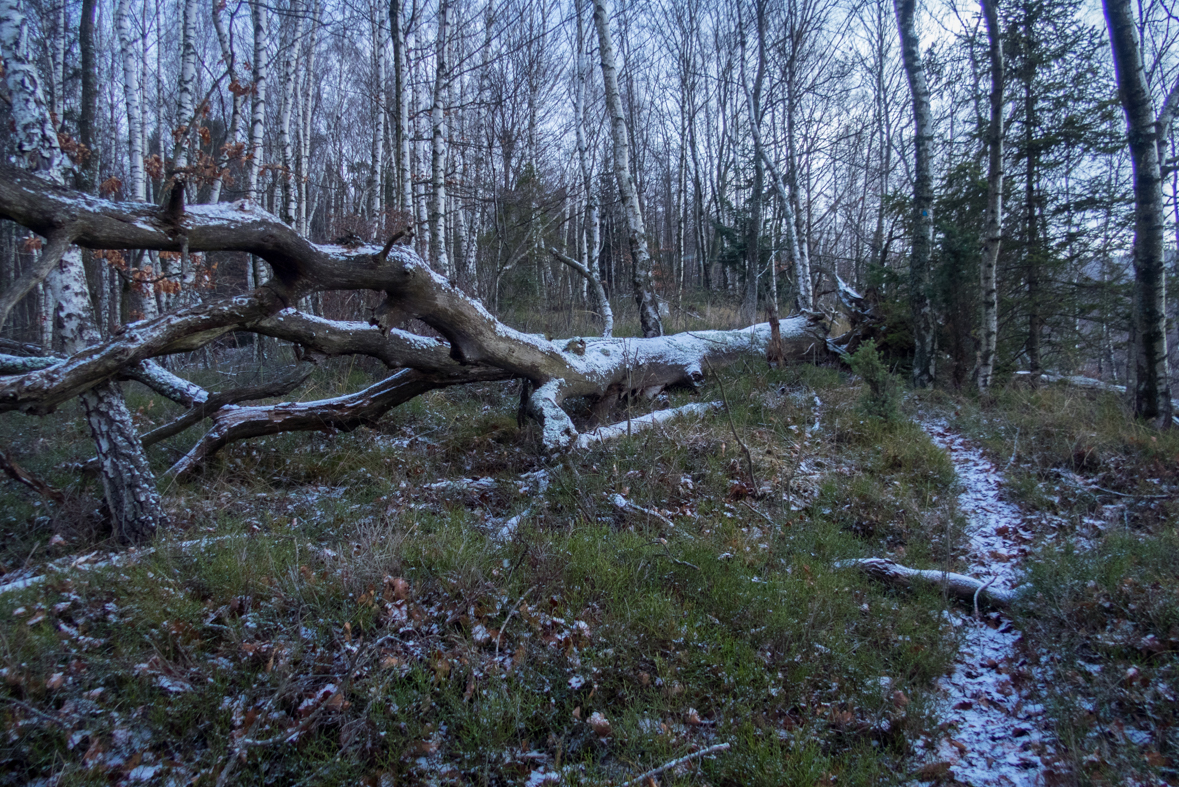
(1152, 384)
(993, 231)
(636, 232)
(922, 238)
(437, 215)
(128, 483)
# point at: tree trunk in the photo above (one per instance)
(137, 188)
(237, 91)
(1152, 387)
(128, 483)
(919, 306)
(593, 241)
(437, 217)
(636, 232)
(258, 106)
(289, 210)
(188, 66)
(993, 231)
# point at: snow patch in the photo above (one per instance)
(998, 735)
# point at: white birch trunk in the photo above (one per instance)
(258, 107)
(437, 216)
(593, 244)
(993, 231)
(303, 223)
(128, 483)
(132, 90)
(234, 131)
(188, 64)
(919, 305)
(377, 149)
(1152, 386)
(636, 232)
(286, 145)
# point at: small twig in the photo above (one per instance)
(27, 707)
(759, 513)
(1014, 450)
(508, 619)
(22, 476)
(981, 588)
(622, 504)
(729, 412)
(680, 761)
(663, 543)
(1088, 488)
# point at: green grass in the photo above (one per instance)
(383, 629)
(1102, 601)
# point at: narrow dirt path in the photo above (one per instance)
(997, 734)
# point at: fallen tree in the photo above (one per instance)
(471, 346)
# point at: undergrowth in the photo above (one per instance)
(1103, 600)
(434, 602)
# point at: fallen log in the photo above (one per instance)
(960, 586)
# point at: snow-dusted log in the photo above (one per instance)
(960, 586)
(343, 413)
(605, 434)
(473, 346)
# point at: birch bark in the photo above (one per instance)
(286, 144)
(922, 242)
(137, 188)
(437, 216)
(258, 12)
(993, 231)
(236, 90)
(128, 483)
(1152, 389)
(635, 231)
(188, 64)
(592, 222)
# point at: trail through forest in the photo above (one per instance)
(998, 735)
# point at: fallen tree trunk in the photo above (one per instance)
(960, 586)
(472, 345)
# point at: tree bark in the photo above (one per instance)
(922, 242)
(288, 211)
(437, 217)
(258, 106)
(237, 91)
(128, 484)
(137, 188)
(993, 230)
(1152, 387)
(636, 232)
(186, 86)
(475, 345)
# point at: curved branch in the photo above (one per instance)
(35, 274)
(342, 413)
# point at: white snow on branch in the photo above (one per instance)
(614, 431)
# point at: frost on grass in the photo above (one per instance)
(997, 735)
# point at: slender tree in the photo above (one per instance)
(636, 232)
(922, 239)
(1152, 384)
(993, 231)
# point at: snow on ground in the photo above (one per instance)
(997, 736)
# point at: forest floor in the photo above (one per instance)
(433, 602)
